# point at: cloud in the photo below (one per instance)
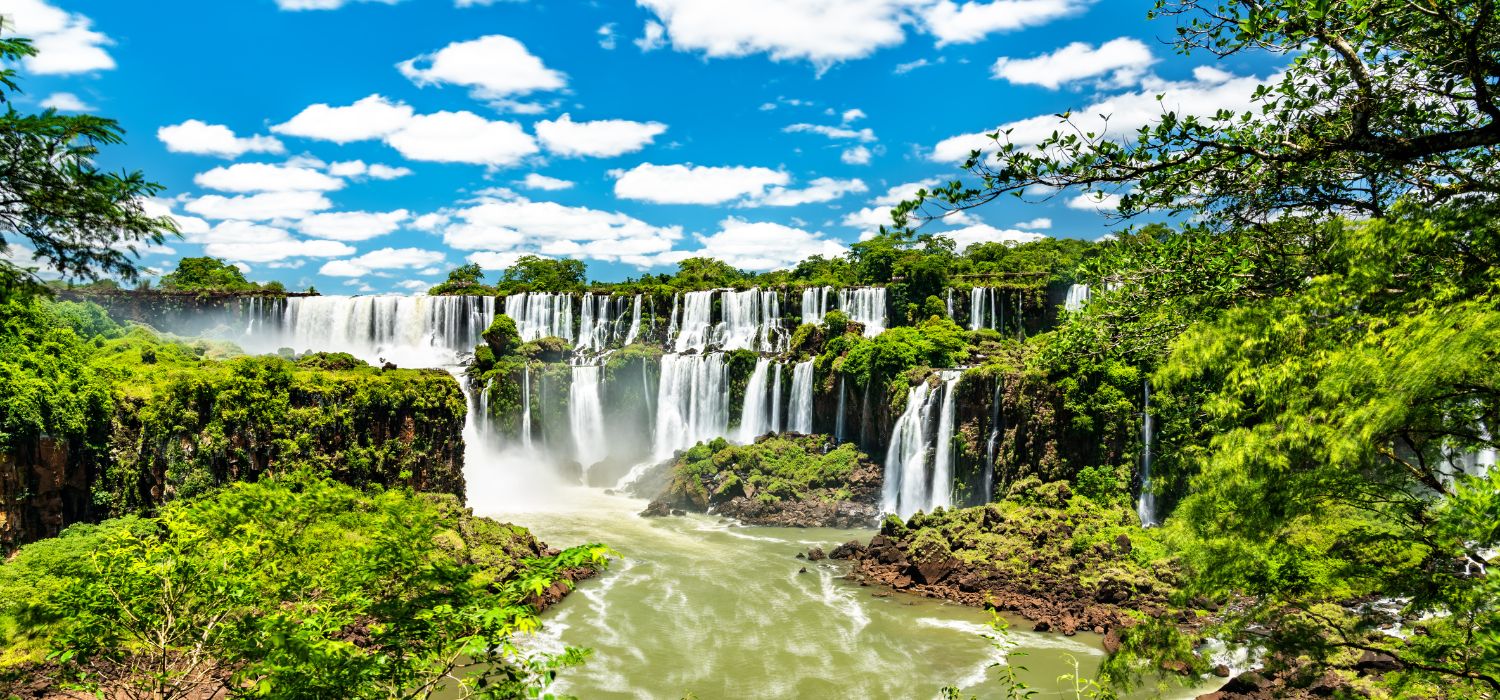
(513, 224)
(187, 225)
(265, 177)
(536, 181)
(762, 246)
(969, 22)
(414, 285)
(194, 136)
(1125, 60)
(462, 137)
(1037, 224)
(984, 233)
(327, 4)
(374, 171)
(904, 191)
(607, 38)
(871, 218)
(823, 189)
(600, 139)
(65, 41)
(858, 155)
(370, 118)
(493, 67)
(382, 259)
(66, 102)
(693, 184)
(1208, 92)
(259, 207)
(652, 38)
(242, 241)
(491, 260)
(851, 115)
(1095, 202)
(831, 31)
(352, 225)
(832, 132)
(904, 68)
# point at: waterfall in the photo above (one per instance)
(697, 322)
(776, 424)
(635, 322)
(905, 490)
(541, 314)
(525, 408)
(976, 308)
(814, 304)
(949, 303)
(1078, 295)
(481, 412)
(692, 401)
(838, 425)
(865, 305)
(800, 413)
(992, 447)
(672, 320)
(942, 463)
(596, 326)
(420, 331)
(1145, 504)
(752, 321)
(586, 415)
(755, 416)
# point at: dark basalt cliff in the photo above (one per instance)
(182, 434)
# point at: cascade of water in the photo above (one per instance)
(976, 308)
(800, 412)
(587, 417)
(1145, 504)
(413, 330)
(481, 412)
(743, 320)
(672, 319)
(526, 408)
(867, 306)
(905, 490)
(949, 303)
(697, 322)
(756, 414)
(596, 323)
(776, 424)
(541, 314)
(692, 401)
(992, 447)
(838, 425)
(942, 463)
(772, 335)
(1078, 295)
(814, 304)
(635, 322)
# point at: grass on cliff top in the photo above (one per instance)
(775, 468)
(291, 586)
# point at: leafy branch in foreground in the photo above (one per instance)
(1382, 100)
(79, 221)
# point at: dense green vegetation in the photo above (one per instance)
(207, 274)
(290, 587)
(772, 469)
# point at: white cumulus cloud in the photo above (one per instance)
(1125, 60)
(382, 259)
(832, 132)
(462, 137)
(266, 177)
(66, 102)
(858, 155)
(65, 41)
(762, 246)
(352, 225)
(603, 138)
(493, 67)
(266, 206)
(370, 118)
(984, 233)
(823, 189)
(374, 171)
(694, 184)
(510, 224)
(537, 181)
(194, 136)
(242, 241)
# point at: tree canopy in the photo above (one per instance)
(74, 219)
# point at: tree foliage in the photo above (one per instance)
(206, 274)
(74, 219)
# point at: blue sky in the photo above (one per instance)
(369, 145)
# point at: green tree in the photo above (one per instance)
(464, 279)
(534, 273)
(73, 218)
(206, 274)
(706, 273)
(1381, 100)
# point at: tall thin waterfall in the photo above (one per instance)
(1078, 295)
(697, 322)
(755, 417)
(1145, 504)
(595, 323)
(405, 329)
(867, 306)
(942, 462)
(692, 401)
(635, 321)
(949, 303)
(586, 415)
(800, 413)
(814, 304)
(992, 447)
(525, 409)
(541, 314)
(776, 424)
(752, 321)
(906, 489)
(481, 411)
(838, 424)
(672, 326)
